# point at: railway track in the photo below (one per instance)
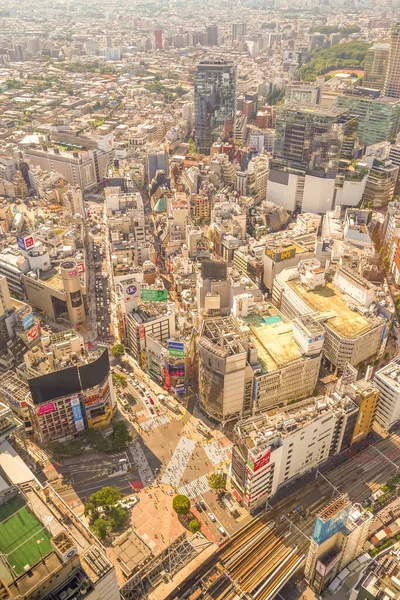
(257, 561)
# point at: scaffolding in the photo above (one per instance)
(165, 565)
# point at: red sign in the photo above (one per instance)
(32, 333)
(45, 409)
(81, 268)
(29, 242)
(141, 332)
(72, 273)
(256, 462)
(167, 379)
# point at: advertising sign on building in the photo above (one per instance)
(27, 321)
(32, 333)
(80, 267)
(154, 295)
(77, 414)
(25, 243)
(256, 461)
(324, 529)
(93, 400)
(176, 349)
(45, 409)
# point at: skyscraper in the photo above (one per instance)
(158, 39)
(376, 62)
(239, 30)
(307, 149)
(214, 100)
(212, 35)
(392, 82)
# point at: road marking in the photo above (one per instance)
(179, 461)
(195, 488)
(141, 463)
(216, 453)
(154, 422)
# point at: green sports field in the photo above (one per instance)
(18, 525)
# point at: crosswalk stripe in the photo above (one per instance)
(195, 488)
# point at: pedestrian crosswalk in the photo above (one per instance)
(195, 488)
(141, 463)
(179, 461)
(154, 422)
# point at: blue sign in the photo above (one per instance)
(323, 530)
(27, 321)
(21, 242)
(176, 345)
(77, 414)
(131, 290)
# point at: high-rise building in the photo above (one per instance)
(158, 39)
(392, 81)
(212, 35)
(387, 382)
(376, 62)
(272, 449)
(239, 30)
(381, 182)
(340, 532)
(157, 160)
(378, 118)
(303, 290)
(307, 149)
(214, 100)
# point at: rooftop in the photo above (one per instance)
(23, 539)
(347, 322)
(273, 338)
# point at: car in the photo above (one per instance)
(151, 400)
(199, 507)
(221, 530)
(211, 517)
(152, 411)
(130, 373)
(202, 504)
(147, 393)
(130, 380)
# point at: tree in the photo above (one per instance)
(120, 435)
(96, 440)
(118, 350)
(100, 528)
(217, 481)
(106, 497)
(181, 504)
(194, 526)
(118, 517)
(119, 380)
(192, 146)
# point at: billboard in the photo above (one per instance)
(279, 255)
(27, 321)
(256, 461)
(323, 530)
(93, 400)
(154, 295)
(25, 243)
(176, 349)
(77, 413)
(80, 267)
(32, 333)
(45, 409)
(176, 345)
